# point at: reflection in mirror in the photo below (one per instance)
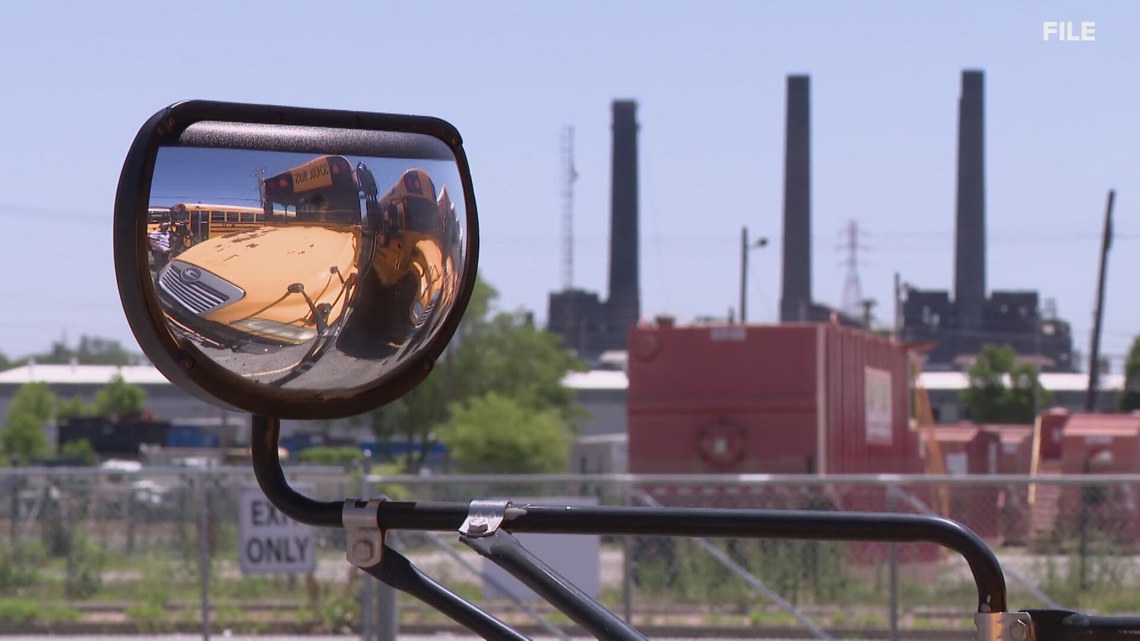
(303, 271)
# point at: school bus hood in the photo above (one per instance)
(268, 256)
(263, 263)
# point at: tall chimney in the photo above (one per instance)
(970, 249)
(625, 299)
(796, 295)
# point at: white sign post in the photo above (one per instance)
(272, 543)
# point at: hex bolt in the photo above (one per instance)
(477, 525)
(362, 551)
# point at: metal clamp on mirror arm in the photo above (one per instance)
(364, 540)
(1004, 626)
(484, 518)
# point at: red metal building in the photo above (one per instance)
(969, 449)
(1095, 444)
(1016, 452)
(1053, 423)
(781, 399)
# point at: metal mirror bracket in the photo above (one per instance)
(366, 550)
(1004, 626)
(364, 540)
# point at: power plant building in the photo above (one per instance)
(955, 326)
(588, 325)
(961, 326)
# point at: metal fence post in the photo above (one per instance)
(387, 615)
(14, 519)
(380, 620)
(627, 563)
(369, 607)
(204, 551)
(893, 572)
(386, 612)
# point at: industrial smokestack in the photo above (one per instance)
(970, 249)
(625, 299)
(795, 298)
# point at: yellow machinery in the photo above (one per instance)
(924, 421)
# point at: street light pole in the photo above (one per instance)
(744, 247)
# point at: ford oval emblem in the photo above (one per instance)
(191, 274)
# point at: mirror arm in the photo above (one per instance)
(398, 572)
(505, 551)
(264, 442)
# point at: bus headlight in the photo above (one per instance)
(275, 330)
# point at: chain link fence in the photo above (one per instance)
(158, 550)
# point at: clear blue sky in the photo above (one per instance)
(1062, 129)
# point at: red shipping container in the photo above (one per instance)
(1096, 444)
(781, 399)
(1101, 444)
(1016, 450)
(1014, 515)
(968, 449)
(1052, 430)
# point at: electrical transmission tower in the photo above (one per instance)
(569, 175)
(853, 303)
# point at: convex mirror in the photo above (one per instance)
(294, 263)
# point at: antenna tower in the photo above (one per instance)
(569, 175)
(852, 291)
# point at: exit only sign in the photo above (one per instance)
(272, 543)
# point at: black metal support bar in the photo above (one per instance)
(267, 468)
(506, 552)
(732, 523)
(397, 571)
(1063, 625)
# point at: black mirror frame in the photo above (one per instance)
(181, 362)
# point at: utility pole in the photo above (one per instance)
(744, 247)
(259, 174)
(1094, 350)
(898, 306)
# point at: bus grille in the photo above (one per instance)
(201, 294)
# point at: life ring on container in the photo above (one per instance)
(722, 443)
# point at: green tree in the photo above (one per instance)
(91, 350)
(344, 456)
(1002, 390)
(119, 398)
(79, 452)
(72, 407)
(492, 351)
(23, 437)
(1130, 397)
(495, 434)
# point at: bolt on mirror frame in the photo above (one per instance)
(224, 125)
